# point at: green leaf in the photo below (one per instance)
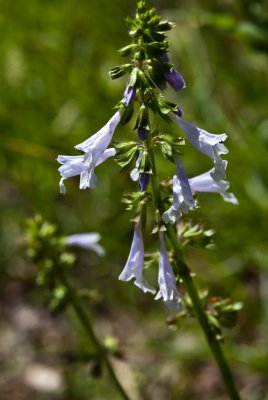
(127, 114)
(133, 77)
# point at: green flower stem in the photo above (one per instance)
(86, 323)
(185, 274)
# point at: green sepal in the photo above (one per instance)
(152, 12)
(156, 36)
(125, 146)
(126, 155)
(60, 299)
(195, 235)
(119, 71)
(126, 51)
(136, 202)
(133, 77)
(165, 107)
(158, 106)
(140, 55)
(170, 146)
(145, 164)
(165, 26)
(155, 49)
(226, 311)
(143, 80)
(143, 118)
(154, 21)
(127, 114)
(141, 6)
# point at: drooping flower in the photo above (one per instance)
(182, 195)
(166, 280)
(164, 58)
(95, 149)
(175, 80)
(205, 183)
(87, 241)
(102, 138)
(81, 165)
(135, 262)
(144, 179)
(129, 95)
(143, 133)
(178, 112)
(210, 144)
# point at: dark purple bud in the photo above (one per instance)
(175, 80)
(129, 95)
(143, 181)
(164, 58)
(178, 112)
(143, 133)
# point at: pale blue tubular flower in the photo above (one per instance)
(129, 95)
(207, 143)
(135, 262)
(204, 183)
(182, 195)
(166, 280)
(95, 149)
(87, 241)
(82, 165)
(101, 139)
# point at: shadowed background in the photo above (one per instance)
(55, 92)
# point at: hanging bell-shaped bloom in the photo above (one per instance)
(209, 144)
(182, 195)
(87, 241)
(84, 166)
(95, 149)
(175, 80)
(101, 140)
(166, 280)
(135, 262)
(129, 95)
(205, 183)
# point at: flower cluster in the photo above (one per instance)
(166, 279)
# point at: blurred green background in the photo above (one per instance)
(55, 91)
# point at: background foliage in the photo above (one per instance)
(55, 91)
